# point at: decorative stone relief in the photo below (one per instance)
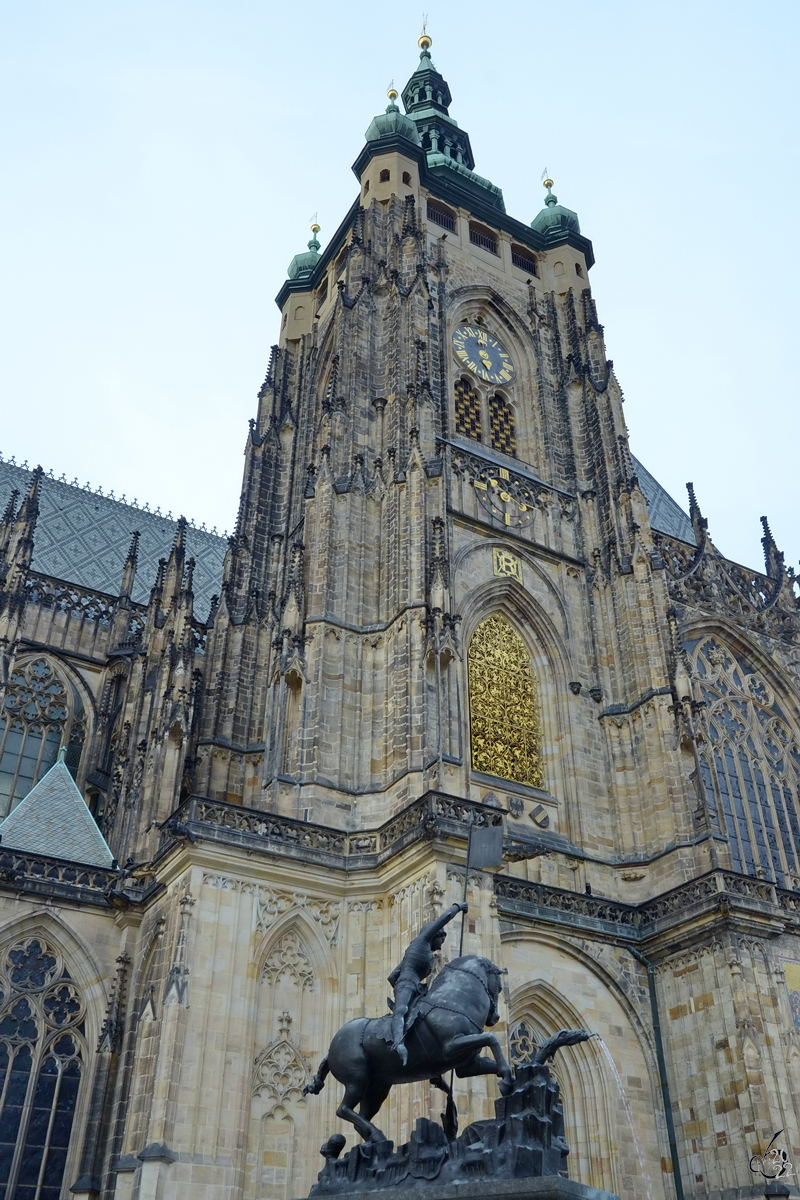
(289, 958)
(280, 1071)
(271, 904)
(364, 906)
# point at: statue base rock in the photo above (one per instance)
(521, 1152)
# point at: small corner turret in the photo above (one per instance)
(298, 310)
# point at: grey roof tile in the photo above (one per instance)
(666, 515)
(83, 537)
(54, 819)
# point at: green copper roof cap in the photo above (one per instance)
(554, 220)
(303, 265)
(392, 123)
(426, 87)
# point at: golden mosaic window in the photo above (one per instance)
(505, 726)
(468, 410)
(501, 425)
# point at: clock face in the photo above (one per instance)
(483, 355)
(505, 498)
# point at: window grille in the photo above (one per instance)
(483, 238)
(523, 259)
(750, 765)
(42, 1050)
(505, 728)
(468, 410)
(440, 216)
(501, 425)
(40, 713)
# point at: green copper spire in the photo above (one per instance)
(554, 220)
(302, 265)
(427, 97)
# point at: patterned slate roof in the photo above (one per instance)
(53, 819)
(83, 538)
(666, 515)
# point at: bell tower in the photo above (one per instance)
(442, 553)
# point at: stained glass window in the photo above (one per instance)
(41, 1054)
(501, 425)
(468, 410)
(505, 728)
(39, 711)
(750, 762)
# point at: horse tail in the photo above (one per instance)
(318, 1082)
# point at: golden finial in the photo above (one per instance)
(546, 180)
(392, 92)
(424, 41)
(315, 227)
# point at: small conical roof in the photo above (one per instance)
(54, 819)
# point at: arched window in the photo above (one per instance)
(505, 728)
(41, 713)
(750, 764)
(41, 1053)
(468, 410)
(501, 425)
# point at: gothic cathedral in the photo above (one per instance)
(236, 776)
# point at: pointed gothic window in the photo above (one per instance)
(468, 410)
(505, 728)
(41, 713)
(750, 763)
(41, 1054)
(501, 425)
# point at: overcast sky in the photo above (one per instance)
(161, 159)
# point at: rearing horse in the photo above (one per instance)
(447, 1032)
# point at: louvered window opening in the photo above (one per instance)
(42, 1050)
(750, 765)
(482, 238)
(501, 426)
(468, 410)
(440, 217)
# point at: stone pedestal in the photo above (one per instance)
(547, 1187)
(520, 1152)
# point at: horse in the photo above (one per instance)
(447, 1032)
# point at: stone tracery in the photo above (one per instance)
(750, 761)
(41, 1062)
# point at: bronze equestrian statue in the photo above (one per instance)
(407, 979)
(431, 1031)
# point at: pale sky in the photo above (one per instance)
(161, 161)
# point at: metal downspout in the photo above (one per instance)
(662, 1071)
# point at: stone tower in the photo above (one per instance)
(452, 596)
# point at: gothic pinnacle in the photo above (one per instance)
(699, 522)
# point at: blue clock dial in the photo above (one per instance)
(482, 354)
